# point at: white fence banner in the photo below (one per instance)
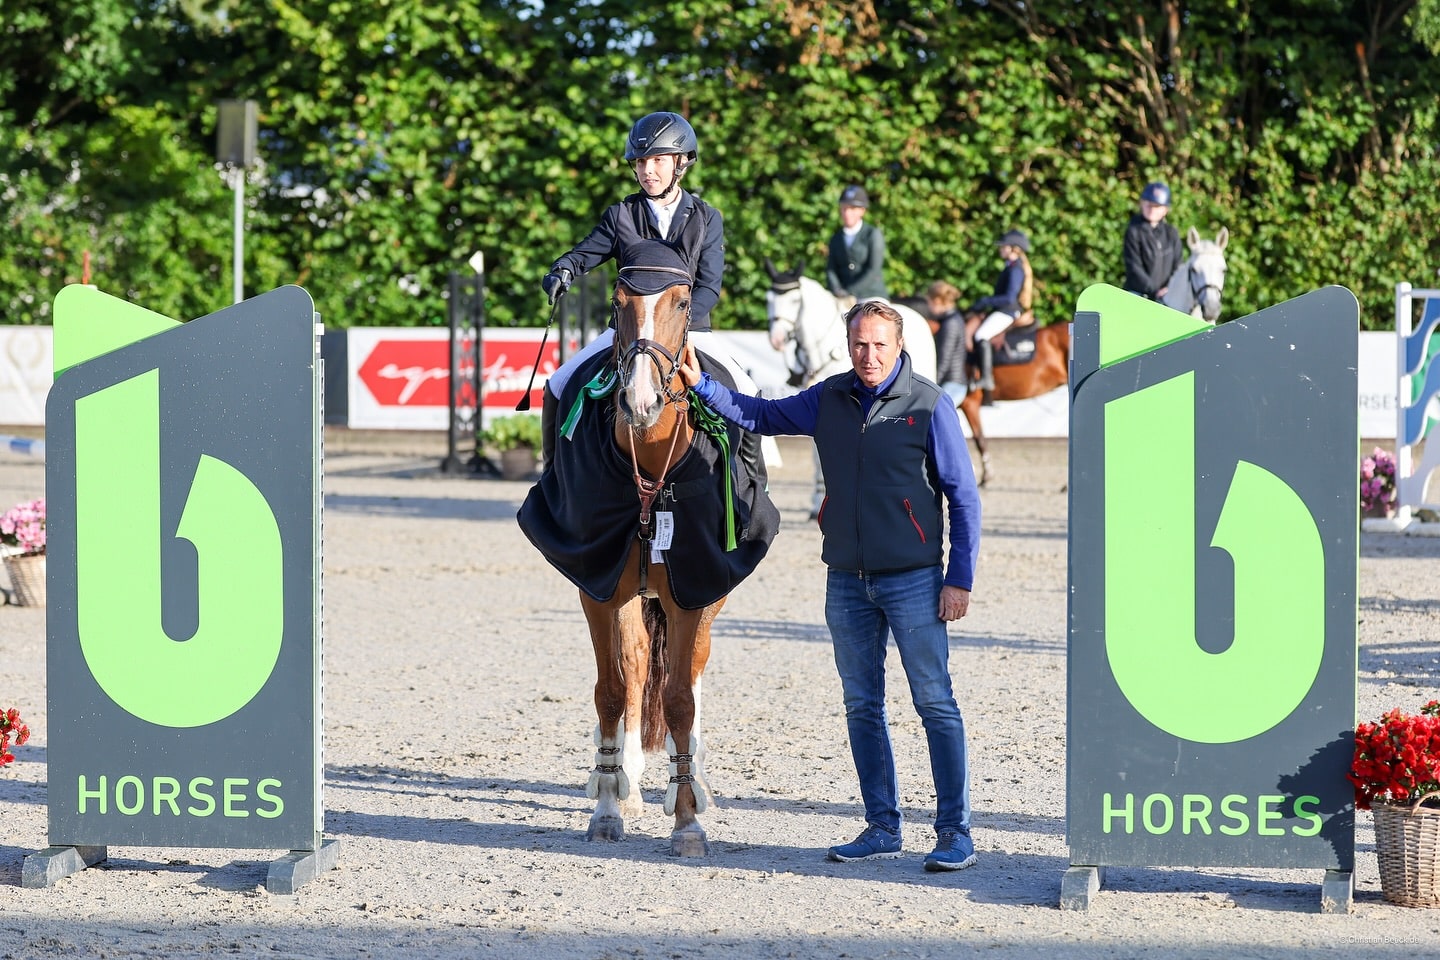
(399, 378)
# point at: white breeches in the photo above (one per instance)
(993, 325)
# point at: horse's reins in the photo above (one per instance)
(652, 350)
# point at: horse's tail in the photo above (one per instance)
(653, 729)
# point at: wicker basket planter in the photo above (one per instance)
(1407, 844)
(27, 577)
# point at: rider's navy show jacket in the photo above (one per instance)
(697, 231)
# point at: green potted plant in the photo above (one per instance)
(22, 544)
(517, 439)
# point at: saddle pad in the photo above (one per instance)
(1018, 347)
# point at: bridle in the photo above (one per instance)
(667, 365)
(1198, 289)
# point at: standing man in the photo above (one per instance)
(855, 266)
(1152, 246)
(895, 467)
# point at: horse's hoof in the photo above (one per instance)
(632, 806)
(689, 843)
(609, 829)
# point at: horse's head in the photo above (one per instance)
(1206, 271)
(652, 318)
(783, 301)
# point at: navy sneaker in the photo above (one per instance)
(953, 851)
(875, 843)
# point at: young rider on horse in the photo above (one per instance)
(855, 262)
(991, 316)
(1152, 246)
(661, 148)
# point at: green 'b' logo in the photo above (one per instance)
(1279, 562)
(173, 682)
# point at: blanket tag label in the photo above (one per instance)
(664, 534)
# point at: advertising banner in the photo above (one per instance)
(183, 630)
(1213, 562)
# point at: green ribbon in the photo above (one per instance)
(705, 420)
(602, 385)
(717, 427)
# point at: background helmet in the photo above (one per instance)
(854, 196)
(657, 134)
(1156, 193)
(1014, 238)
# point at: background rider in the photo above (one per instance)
(1152, 246)
(991, 316)
(855, 264)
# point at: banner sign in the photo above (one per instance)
(400, 377)
(183, 628)
(1212, 584)
(405, 389)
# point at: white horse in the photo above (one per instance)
(1197, 283)
(806, 316)
(803, 313)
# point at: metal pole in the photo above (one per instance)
(238, 173)
(1403, 463)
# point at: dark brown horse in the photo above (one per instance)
(1050, 368)
(649, 651)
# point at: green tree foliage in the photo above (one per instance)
(399, 138)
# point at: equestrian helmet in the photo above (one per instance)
(854, 196)
(1156, 193)
(1014, 238)
(657, 134)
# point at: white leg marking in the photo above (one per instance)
(634, 762)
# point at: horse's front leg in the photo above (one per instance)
(970, 407)
(614, 629)
(687, 794)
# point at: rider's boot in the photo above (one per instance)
(549, 407)
(986, 350)
(752, 459)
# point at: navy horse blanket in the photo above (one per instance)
(583, 514)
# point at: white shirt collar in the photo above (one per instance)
(664, 213)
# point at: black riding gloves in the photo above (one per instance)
(556, 282)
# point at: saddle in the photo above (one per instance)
(1015, 346)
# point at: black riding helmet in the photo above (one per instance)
(660, 133)
(1014, 238)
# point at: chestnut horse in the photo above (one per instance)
(643, 507)
(650, 653)
(1048, 369)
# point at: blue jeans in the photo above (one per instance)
(861, 613)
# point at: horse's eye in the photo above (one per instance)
(683, 304)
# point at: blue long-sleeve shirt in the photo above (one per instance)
(1006, 298)
(947, 458)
